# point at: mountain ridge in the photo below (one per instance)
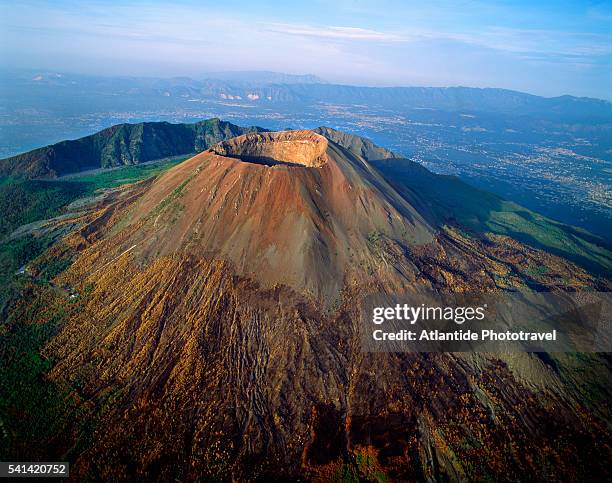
(261, 77)
(121, 144)
(270, 91)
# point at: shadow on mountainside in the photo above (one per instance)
(449, 199)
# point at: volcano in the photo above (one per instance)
(215, 330)
(286, 208)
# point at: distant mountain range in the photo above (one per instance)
(123, 144)
(260, 88)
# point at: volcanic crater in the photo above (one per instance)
(290, 148)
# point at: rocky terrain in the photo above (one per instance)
(207, 328)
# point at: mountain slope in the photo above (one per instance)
(356, 145)
(287, 207)
(120, 145)
(447, 199)
(454, 201)
(208, 328)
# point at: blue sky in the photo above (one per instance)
(547, 48)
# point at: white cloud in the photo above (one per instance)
(335, 33)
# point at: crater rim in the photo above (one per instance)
(302, 148)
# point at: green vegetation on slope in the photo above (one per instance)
(34, 410)
(25, 201)
(41, 418)
(120, 145)
(22, 202)
(447, 198)
(112, 178)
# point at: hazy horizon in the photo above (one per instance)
(547, 49)
(221, 75)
